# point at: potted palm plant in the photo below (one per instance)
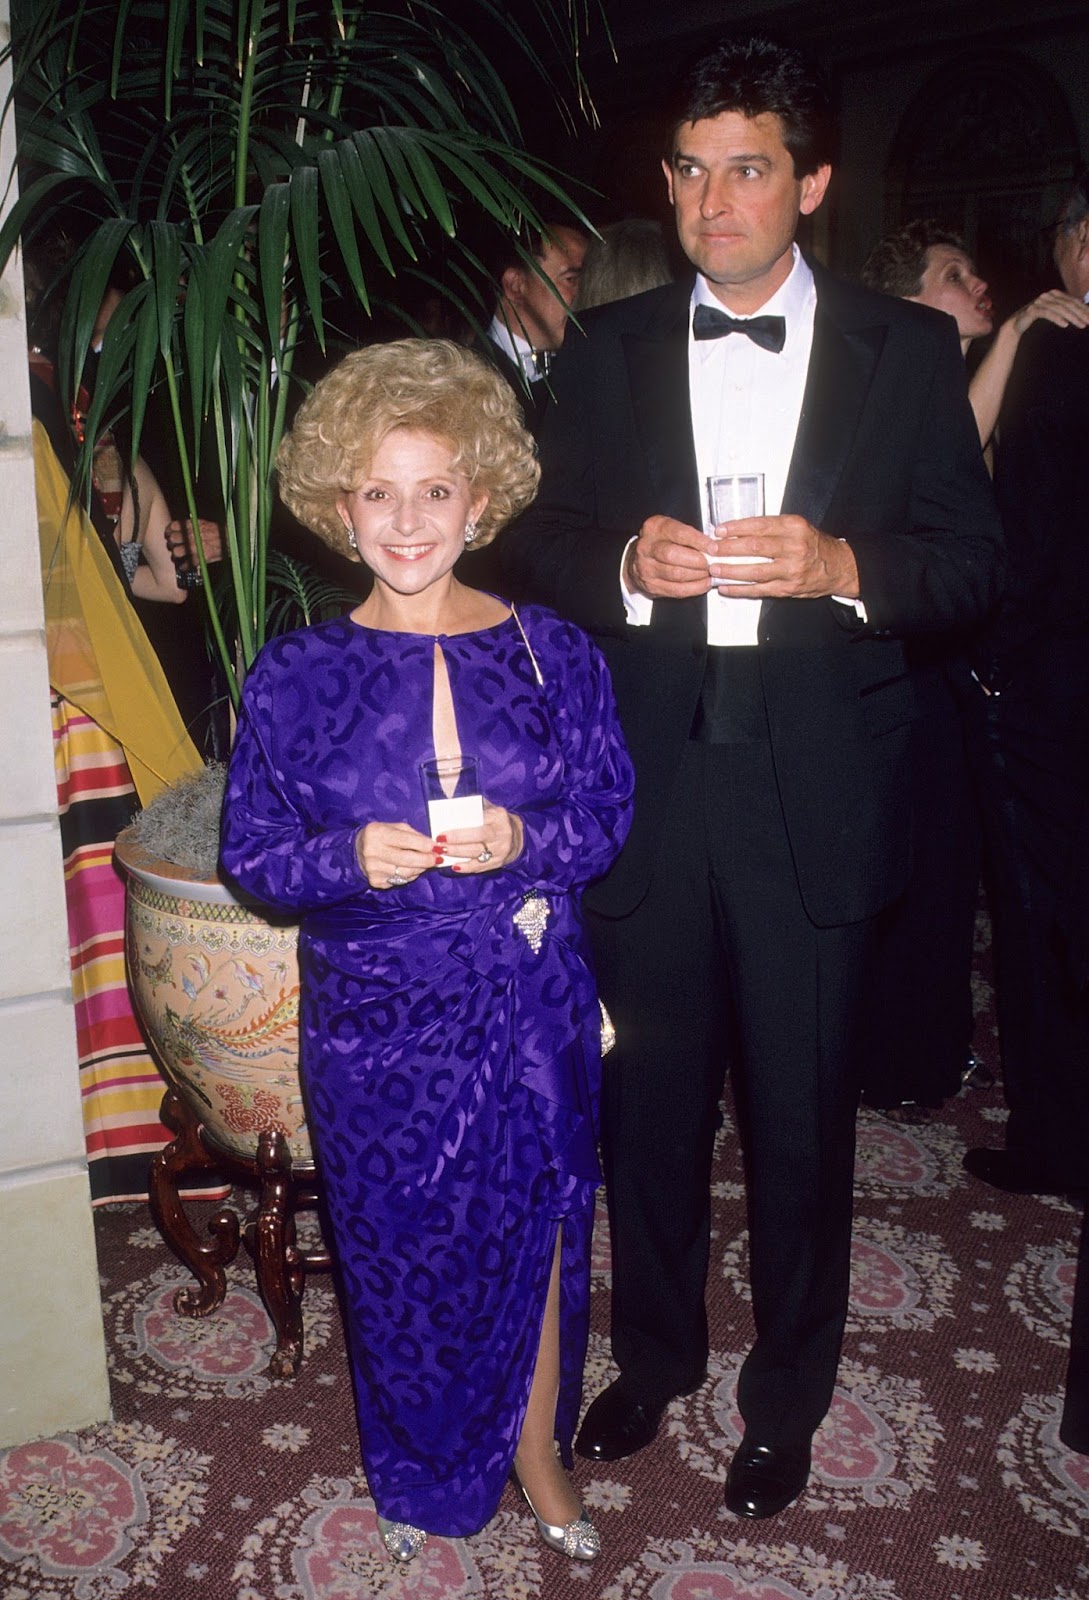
(257, 167)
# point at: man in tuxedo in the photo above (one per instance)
(764, 693)
(531, 313)
(520, 342)
(1030, 726)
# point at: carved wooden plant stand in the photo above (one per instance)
(216, 986)
(284, 1187)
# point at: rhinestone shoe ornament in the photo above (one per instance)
(579, 1539)
(532, 920)
(401, 1539)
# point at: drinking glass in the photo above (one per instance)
(731, 496)
(452, 791)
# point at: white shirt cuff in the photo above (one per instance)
(637, 607)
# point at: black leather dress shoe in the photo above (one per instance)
(763, 1480)
(1002, 1170)
(618, 1424)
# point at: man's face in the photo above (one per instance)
(539, 316)
(737, 203)
(1072, 256)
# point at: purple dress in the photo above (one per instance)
(451, 1070)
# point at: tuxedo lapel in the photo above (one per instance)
(841, 368)
(657, 359)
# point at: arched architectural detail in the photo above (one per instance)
(989, 144)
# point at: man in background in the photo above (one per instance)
(531, 313)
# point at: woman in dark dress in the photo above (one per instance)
(451, 1033)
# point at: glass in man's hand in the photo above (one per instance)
(732, 496)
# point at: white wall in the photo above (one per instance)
(52, 1355)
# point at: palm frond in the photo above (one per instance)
(250, 162)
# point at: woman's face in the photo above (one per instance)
(409, 513)
(950, 283)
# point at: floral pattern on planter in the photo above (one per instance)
(217, 989)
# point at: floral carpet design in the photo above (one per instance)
(938, 1474)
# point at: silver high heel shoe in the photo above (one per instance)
(578, 1539)
(401, 1539)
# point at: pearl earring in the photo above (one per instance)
(470, 532)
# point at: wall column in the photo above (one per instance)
(52, 1352)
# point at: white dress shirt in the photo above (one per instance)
(513, 345)
(746, 403)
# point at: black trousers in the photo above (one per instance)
(918, 1002)
(721, 960)
(1030, 751)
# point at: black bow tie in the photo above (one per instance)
(768, 332)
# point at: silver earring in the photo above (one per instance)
(470, 531)
(351, 537)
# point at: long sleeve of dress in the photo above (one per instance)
(570, 841)
(267, 847)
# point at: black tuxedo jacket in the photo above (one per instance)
(887, 456)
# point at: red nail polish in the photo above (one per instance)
(455, 869)
(440, 838)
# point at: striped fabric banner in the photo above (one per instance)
(120, 1084)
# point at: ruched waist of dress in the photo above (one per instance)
(555, 1035)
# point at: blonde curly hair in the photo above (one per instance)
(431, 385)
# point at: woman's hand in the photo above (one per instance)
(496, 843)
(182, 543)
(392, 854)
(1053, 306)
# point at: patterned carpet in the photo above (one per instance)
(937, 1476)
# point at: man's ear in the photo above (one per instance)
(814, 185)
(513, 284)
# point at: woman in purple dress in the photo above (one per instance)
(451, 1034)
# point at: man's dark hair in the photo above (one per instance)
(755, 75)
(897, 262)
(1077, 201)
(500, 249)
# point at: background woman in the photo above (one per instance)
(925, 262)
(450, 1026)
(626, 258)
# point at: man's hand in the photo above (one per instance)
(668, 561)
(779, 557)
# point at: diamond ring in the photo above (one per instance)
(396, 879)
(485, 856)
